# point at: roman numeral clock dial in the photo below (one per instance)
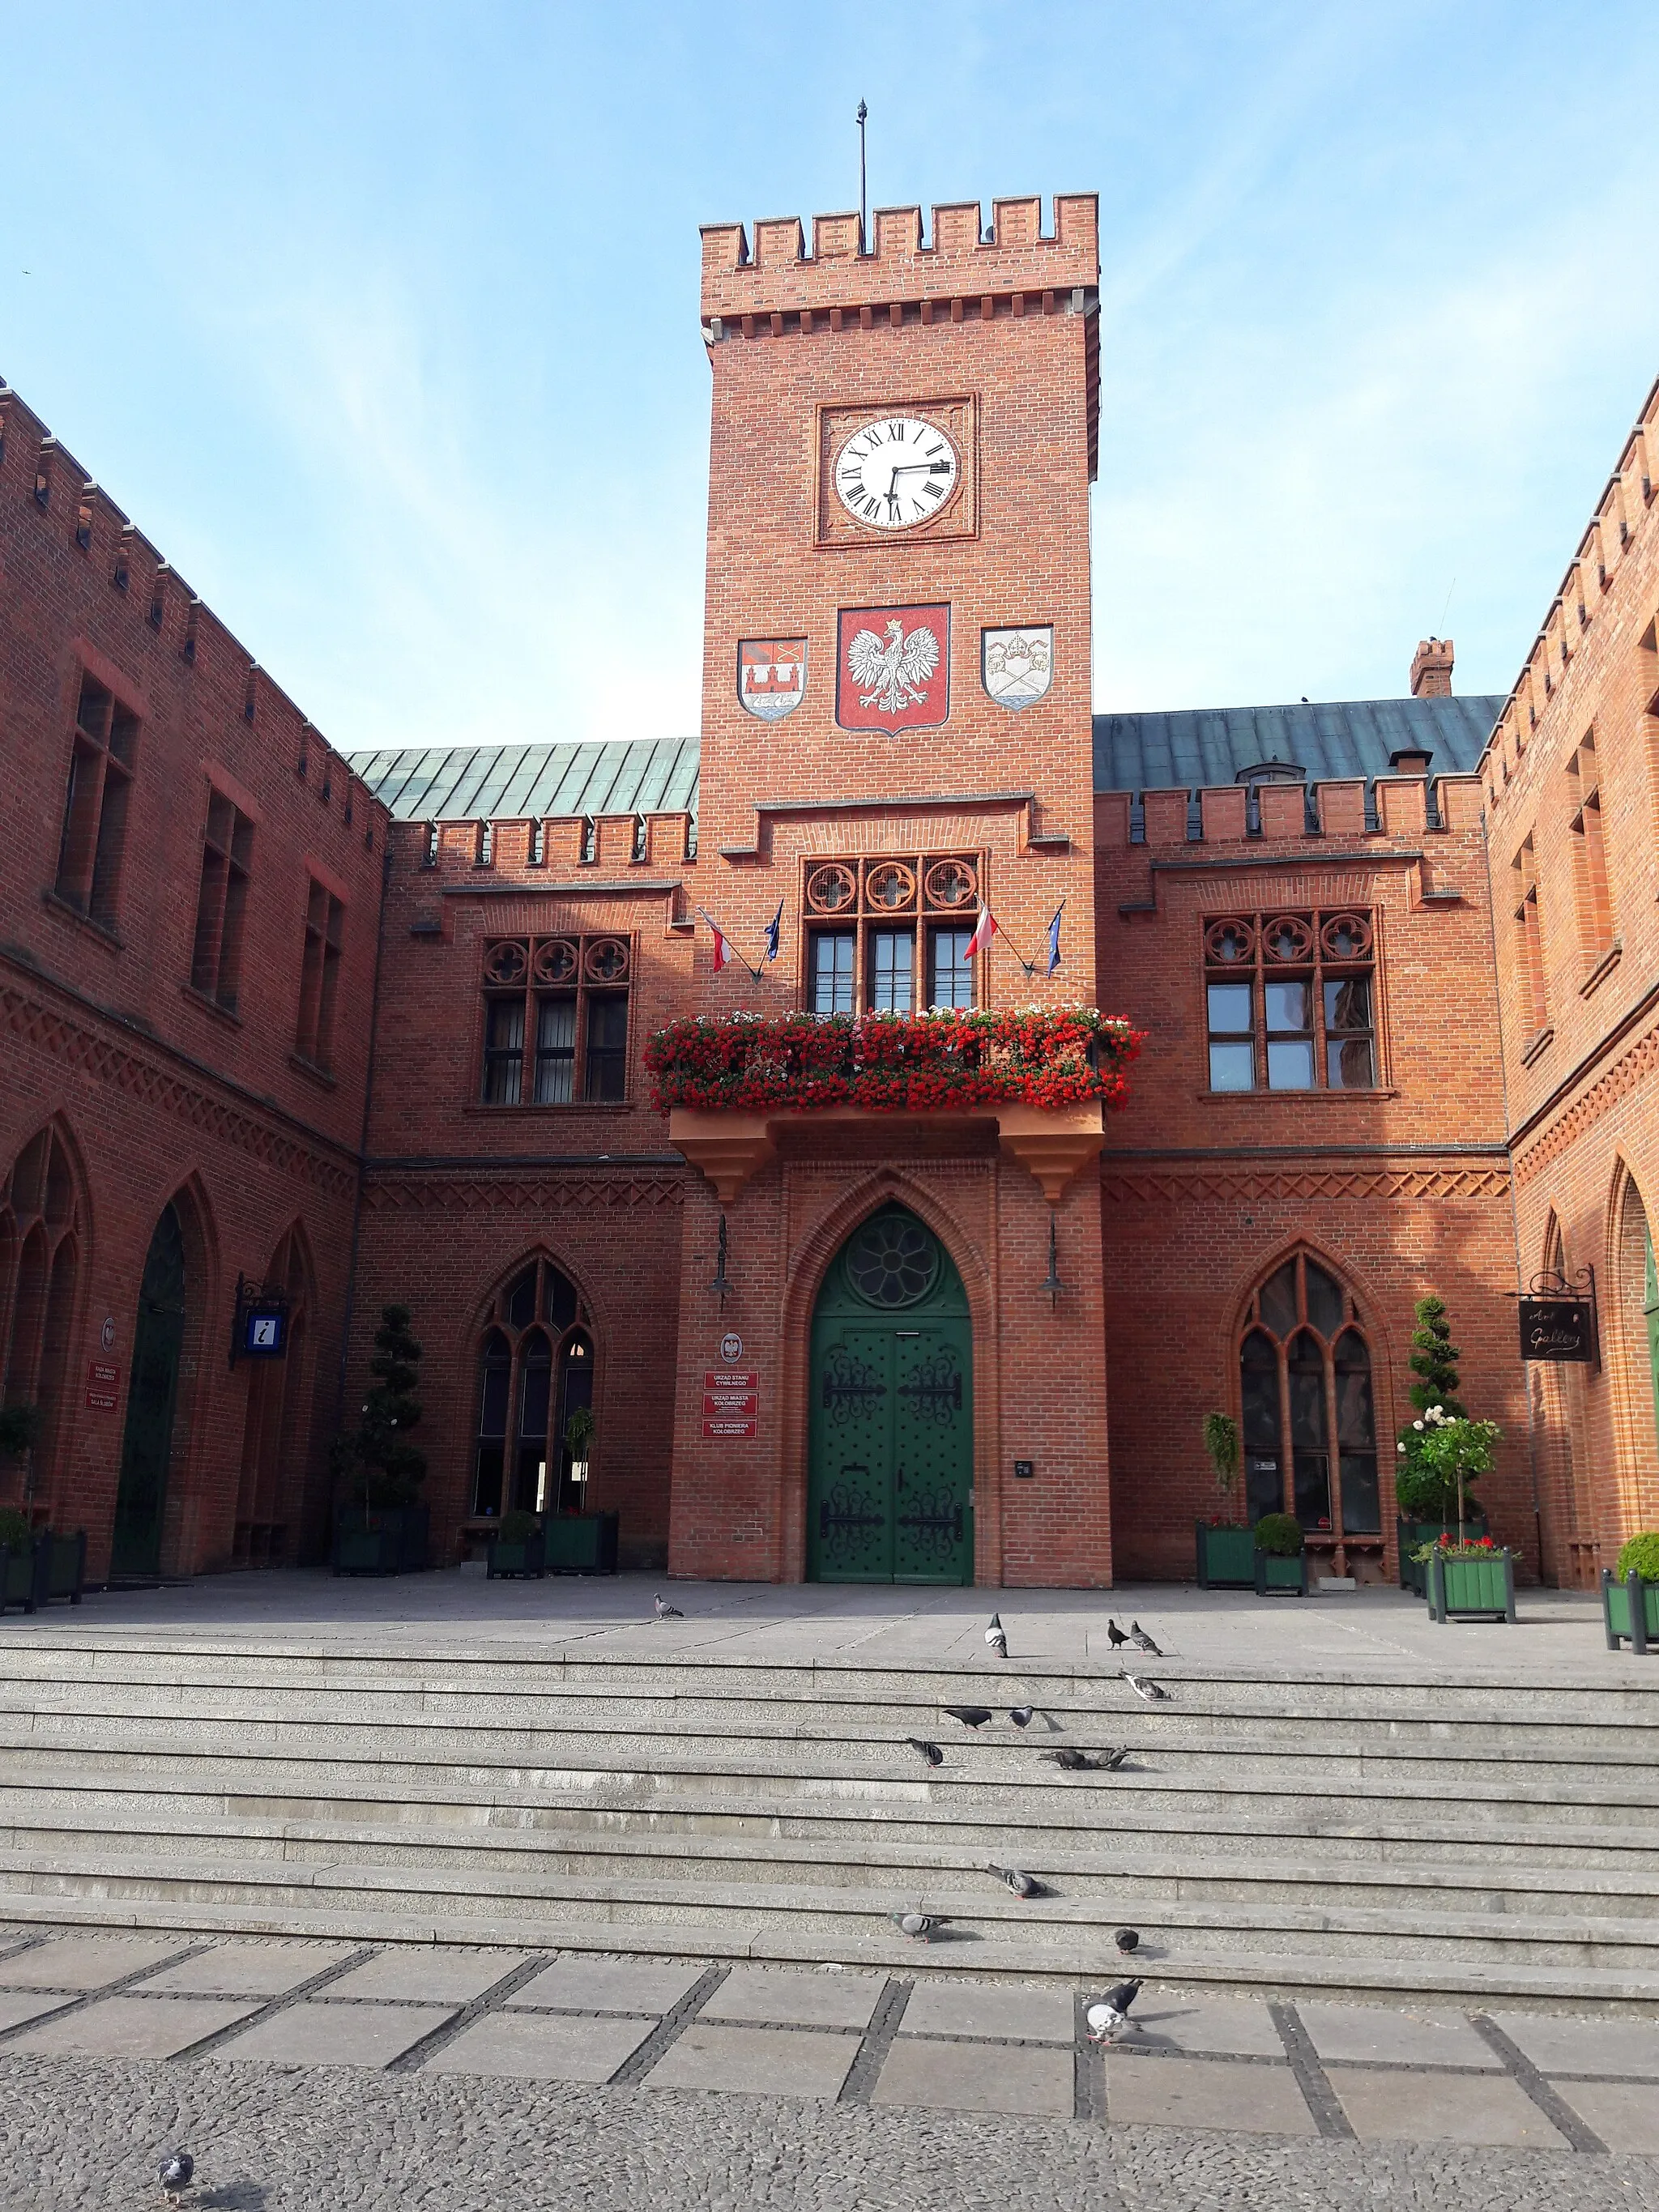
(896, 473)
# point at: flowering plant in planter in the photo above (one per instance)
(1454, 1449)
(934, 1062)
(1447, 1547)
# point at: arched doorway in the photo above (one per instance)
(152, 1403)
(536, 1366)
(890, 1425)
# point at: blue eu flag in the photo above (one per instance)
(774, 933)
(1054, 938)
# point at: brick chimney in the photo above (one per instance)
(1431, 669)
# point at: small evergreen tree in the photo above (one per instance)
(1423, 1484)
(377, 1459)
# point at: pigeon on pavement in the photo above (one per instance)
(1153, 1692)
(971, 1716)
(664, 1611)
(1086, 1762)
(1127, 1940)
(1141, 1641)
(1112, 2012)
(996, 1636)
(918, 1926)
(1022, 1715)
(1114, 1635)
(930, 1752)
(1023, 1885)
(175, 2175)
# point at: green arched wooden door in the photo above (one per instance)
(152, 1401)
(1650, 1311)
(890, 1492)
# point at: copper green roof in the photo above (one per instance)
(480, 783)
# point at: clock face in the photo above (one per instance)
(896, 473)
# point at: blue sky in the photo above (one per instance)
(381, 321)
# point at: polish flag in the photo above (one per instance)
(984, 930)
(722, 947)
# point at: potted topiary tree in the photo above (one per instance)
(1281, 1561)
(517, 1547)
(20, 1561)
(580, 1542)
(1226, 1551)
(379, 1522)
(1630, 1594)
(1426, 1502)
(1464, 1573)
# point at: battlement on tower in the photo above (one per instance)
(962, 260)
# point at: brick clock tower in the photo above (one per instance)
(878, 1379)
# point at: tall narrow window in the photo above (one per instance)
(1306, 1375)
(1589, 853)
(319, 976)
(556, 1021)
(949, 967)
(215, 966)
(892, 971)
(40, 1272)
(102, 753)
(1290, 1000)
(535, 1401)
(490, 1454)
(830, 981)
(1528, 942)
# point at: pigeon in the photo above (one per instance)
(1112, 1756)
(973, 1716)
(930, 1752)
(1112, 2012)
(1141, 1641)
(664, 1611)
(996, 1636)
(1022, 1715)
(1023, 1885)
(918, 1926)
(1083, 1762)
(1114, 1635)
(1154, 1693)
(175, 2175)
(1127, 1940)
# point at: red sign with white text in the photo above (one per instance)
(731, 1405)
(103, 1385)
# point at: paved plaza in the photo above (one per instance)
(307, 2073)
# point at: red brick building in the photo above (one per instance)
(972, 1339)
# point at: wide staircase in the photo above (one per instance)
(1308, 1832)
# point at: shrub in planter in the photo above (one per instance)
(1630, 1595)
(379, 1470)
(1421, 1485)
(1280, 1562)
(1279, 1533)
(1226, 1552)
(1640, 1556)
(1469, 1576)
(518, 1546)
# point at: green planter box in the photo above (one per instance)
(23, 1575)
(1273, 1571)
(1413, 1573)
(523, 1559)
(1630, 1611)
(580, 1543)
(66, 1565)
(392, 1540)
(1480, 1587)
(1226, 1557)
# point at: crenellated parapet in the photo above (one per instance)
(533, 850)
(954, 272)
(1381, 809)
(166, 613)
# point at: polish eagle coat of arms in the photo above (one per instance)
(894, 672)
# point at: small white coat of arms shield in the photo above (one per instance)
(771, 676)
(1018, 665)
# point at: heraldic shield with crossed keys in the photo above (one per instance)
(893, 669)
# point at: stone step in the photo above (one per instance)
(247, 1758)
(836, 1919)
(829, 1825)
(1120, 1875)
(1300, 1971)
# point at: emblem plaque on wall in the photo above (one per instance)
(893, 668)
(771, 676)
(1016, 667)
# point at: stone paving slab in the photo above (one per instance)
(1625, 2114)
(426, 1974)
(1016, 2014)
(1562, 2044)
(246, 1970)
(133, 2027)
(541, 2047)
(16, 2006)
(976, 2077)
(1205, 2093)
(312, 2034)
(1240, 2028)
(578, 1985)
(86, 1962)
(1424, 2036)
(760, 2060)
(1394, 2105)
(757, 1995)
